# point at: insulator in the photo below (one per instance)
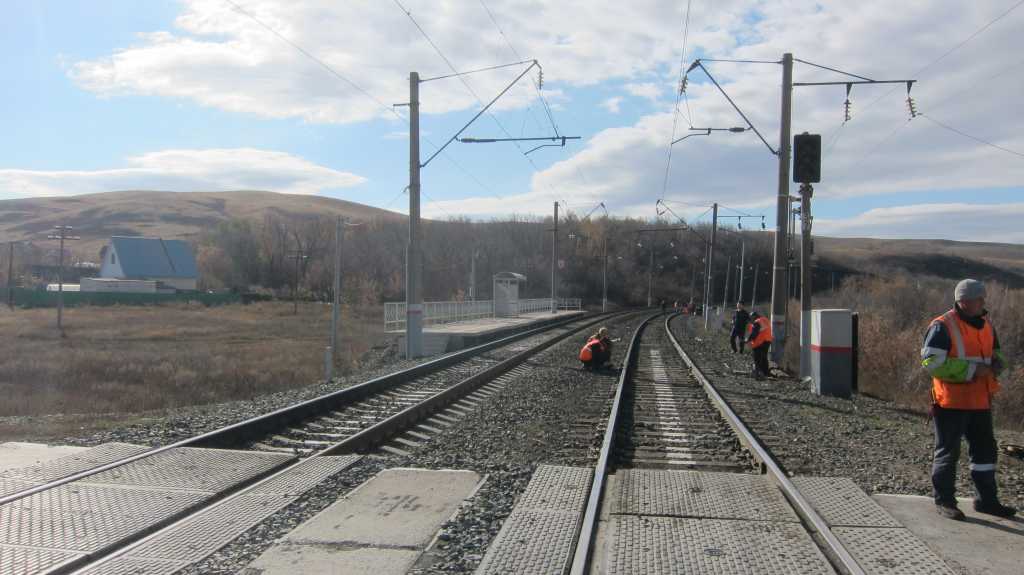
(846, 112)
(682, 85)
(912, 106)
(540, 79)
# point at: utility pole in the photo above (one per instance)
(604, 277)
(806, 191)
(725, 295)
(413, 259)
(10, 276)
(743, 269)
(711, 257)
(298, 255)
(472, 276)
(753, 294)
(62, 235)
(779, 300)
(693, 282)
(332, 351)
(650, 276)
(554, 262)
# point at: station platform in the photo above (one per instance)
(449, 337)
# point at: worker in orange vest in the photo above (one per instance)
(759, 336)
(962, 354)
(597, 351)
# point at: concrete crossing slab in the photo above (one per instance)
(380, 528)
(981, 545)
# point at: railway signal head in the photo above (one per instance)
(807, 158)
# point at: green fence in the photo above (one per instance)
(28, 298)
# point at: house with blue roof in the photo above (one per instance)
(146, 265)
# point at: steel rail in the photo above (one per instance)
(361, 442)
(585, 539)
(838, 551)
(237, 433)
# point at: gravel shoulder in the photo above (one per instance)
(525, 424)
(882, 447)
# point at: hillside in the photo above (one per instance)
(942, 258)
(96, 217)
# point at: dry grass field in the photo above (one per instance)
(894, 315)
(121, 359)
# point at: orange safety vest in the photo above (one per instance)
(587, 353)
(764, 335)
(976, 346)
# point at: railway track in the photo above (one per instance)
(290, 451)
(665, 417)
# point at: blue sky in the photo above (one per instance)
(195, 95)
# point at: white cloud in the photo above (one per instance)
(218, 57)
(645, 90)
(956, 221)
(185, 170)
(612, 104)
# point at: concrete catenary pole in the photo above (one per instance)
(711, 257)
(743, 269)
(413, 258)
(332, 351)
(472, 277)
(554, 262)
(725, 291)
(650, 276)
(778, 312)
(753, 294)
(604, 277)
(10, 275)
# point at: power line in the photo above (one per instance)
(947, 53)
(966, 135)
(352, 83)
(464, 81)
(679, 94)
(544, 102)
(536, 87)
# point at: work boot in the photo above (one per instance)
(994, 508)
(949, 511)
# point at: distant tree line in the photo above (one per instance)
(250, 255)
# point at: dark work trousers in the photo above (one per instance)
(736, 335)
(761, 359)
(950, 426)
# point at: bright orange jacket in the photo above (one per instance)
(764, 334)
(593, 344)
(976, 346)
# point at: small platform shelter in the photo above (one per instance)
(506, 293)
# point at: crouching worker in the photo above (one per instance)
(759, 336)
(597, 351)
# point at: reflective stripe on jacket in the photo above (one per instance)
(954, 383)
(763, 334)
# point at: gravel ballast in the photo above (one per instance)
(884, 448)
(516, 429)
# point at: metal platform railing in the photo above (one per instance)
(441, 312)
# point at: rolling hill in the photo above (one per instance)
(184, 215)
(172, 215)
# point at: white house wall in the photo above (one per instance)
(110, 269)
